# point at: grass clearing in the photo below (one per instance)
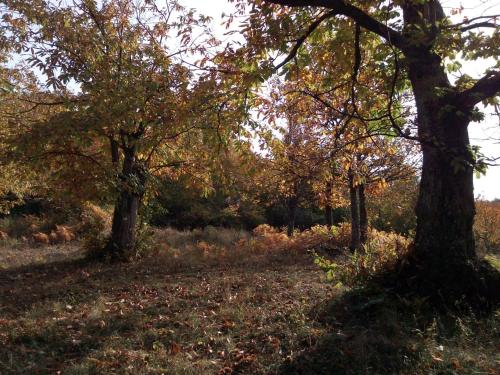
(271, 313)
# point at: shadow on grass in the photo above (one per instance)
(374, 331)
(24, 287)
(52, 347)
(82, 280)
(48, 319)
(78, 317)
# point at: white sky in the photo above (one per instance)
(488, 186)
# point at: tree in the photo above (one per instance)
(380, 161)
(345, 122)
(17, 179)
(420, 37)
(138, 110)
(293, 153)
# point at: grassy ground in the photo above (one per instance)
(266, 314)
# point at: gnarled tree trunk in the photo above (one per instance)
(444, 242)
(123, 231)
(444, 256)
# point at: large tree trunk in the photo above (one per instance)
(353, 194)
(363, 215)
(444, 242)
(123, 231)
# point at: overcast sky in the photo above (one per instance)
(481, 134)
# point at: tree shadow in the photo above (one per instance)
(61, 344)
(83, 280)
(50, 325)
(376, 331)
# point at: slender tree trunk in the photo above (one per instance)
(115, 151)
(363, 215)
(328, 206)
(355, 233)
(123, 231)
(292, 213)
(329, 215)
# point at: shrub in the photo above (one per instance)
(145, 244)
(487, 227)
(380, 254)
(342, 235)
(25, 225)
(95, 227)
(41, 238)
(269, 239)
(3, 235)
(263, 230)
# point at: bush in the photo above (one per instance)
(380, 254)
(145, 242)
(181, 207)
(21, 226)
(95, 227)
(487, 227)
(269, 239)
(306, 217)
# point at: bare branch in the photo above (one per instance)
(461, 26)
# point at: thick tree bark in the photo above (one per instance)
(444, 242)
(123, 231)
(292, 213)
(355, 234)
(363, 215)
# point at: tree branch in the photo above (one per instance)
(485, 88)
(478, 25)
(460, 26)
(340, 7)
(302, 39)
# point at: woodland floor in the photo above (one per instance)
(255, 317)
